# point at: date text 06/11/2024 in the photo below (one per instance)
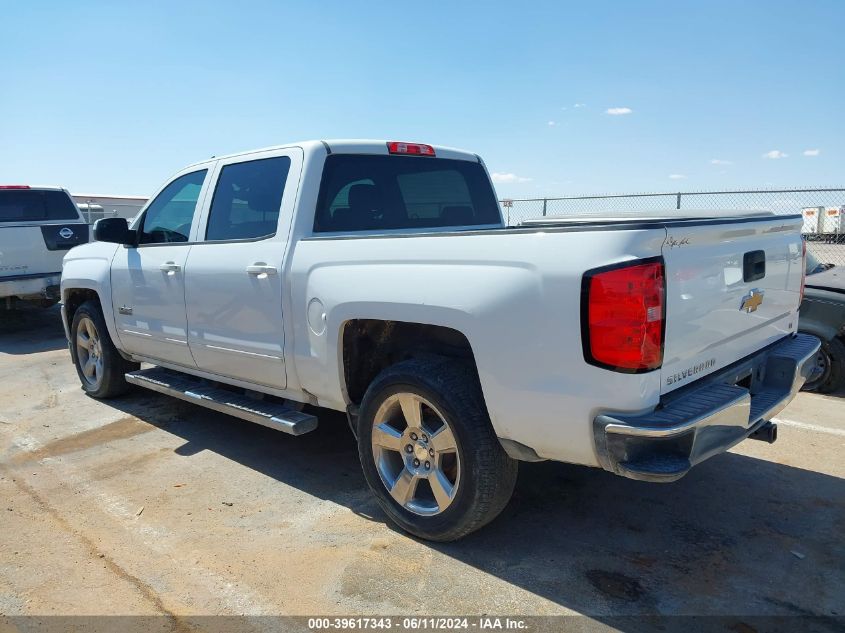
(481, 623)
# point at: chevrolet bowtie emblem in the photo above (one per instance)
(752, 301)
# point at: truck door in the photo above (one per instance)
(148, 280)
(234, 276)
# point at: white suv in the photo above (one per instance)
(38, 225)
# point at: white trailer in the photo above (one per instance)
(824, 224)
(811, 217)
(832, 224)
(96, 206)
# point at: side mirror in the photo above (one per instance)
(114, 230)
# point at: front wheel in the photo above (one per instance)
(429, 452)
(100, 366)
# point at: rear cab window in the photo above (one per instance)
(36, 205)
(361, 192)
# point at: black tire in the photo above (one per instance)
(831, 364)
(487, 473)
(110, 381)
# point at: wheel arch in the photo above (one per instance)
(77, 292)
(367, 346)
(72, 298)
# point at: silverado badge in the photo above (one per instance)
(752, 301)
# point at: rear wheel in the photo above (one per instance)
(428, 450)
(830, 367)
(100, 366)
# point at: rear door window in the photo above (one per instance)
(34, 205)
(366, 193)
(247, 199)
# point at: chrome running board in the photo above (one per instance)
(271, 414)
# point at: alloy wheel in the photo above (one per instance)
(89, 352)
(416, 454)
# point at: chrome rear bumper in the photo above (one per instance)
(706, 417)
(30, 285)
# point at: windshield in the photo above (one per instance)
(36, 205)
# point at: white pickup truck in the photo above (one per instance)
(377, 278)
(38, 225)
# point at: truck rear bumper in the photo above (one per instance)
(707, 417)
(41, 285)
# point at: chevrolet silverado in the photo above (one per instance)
(377, 278)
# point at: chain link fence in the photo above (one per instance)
(823, 210)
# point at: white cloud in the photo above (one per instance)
(552, 123)
(502, 179)
(618, 111)
(775, 153)
(677, 176)
(579, 105)
(812, 152)
(719, 161)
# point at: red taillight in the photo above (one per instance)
(623, 312)
(803, 268)
(14, 186)
(415, 149)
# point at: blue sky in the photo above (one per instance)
(558, 97)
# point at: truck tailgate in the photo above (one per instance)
(37, 227)
(732, 287)
(37, 249)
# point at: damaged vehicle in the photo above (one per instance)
(379, 279)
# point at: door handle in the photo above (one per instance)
(171, 268)
(261, 269)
